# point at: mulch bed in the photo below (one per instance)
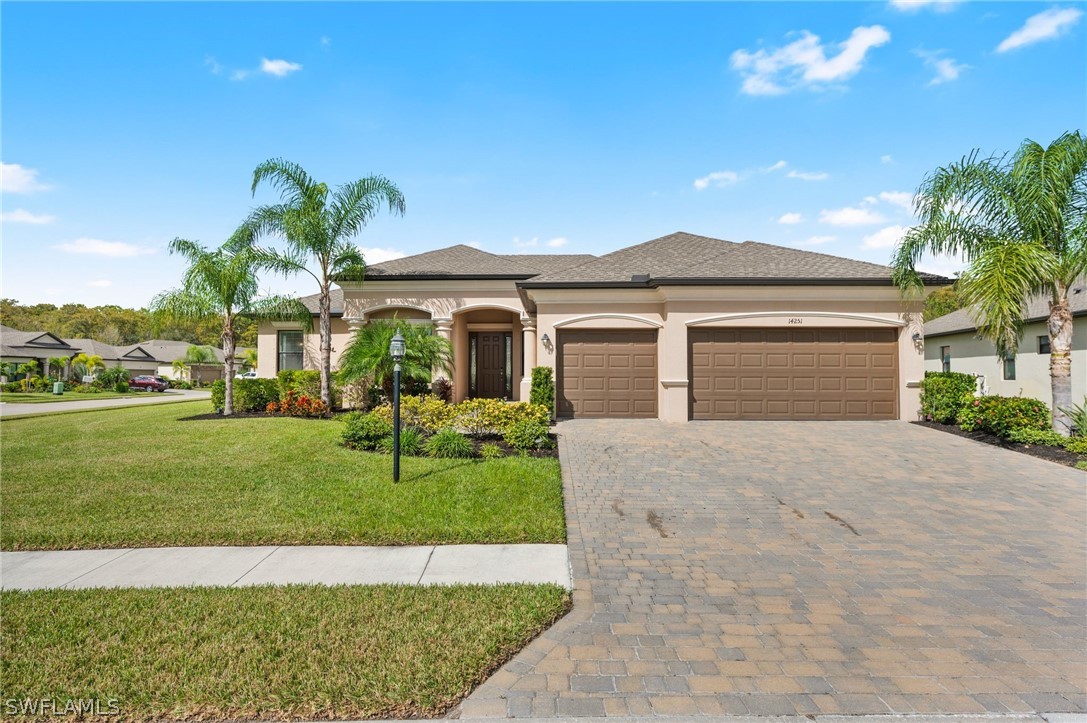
(1052, 454)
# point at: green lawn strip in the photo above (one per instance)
(47, 397)
(140, 476)
(267, 652)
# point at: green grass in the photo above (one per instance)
(140, 476)
(267, 652)
(44, 397)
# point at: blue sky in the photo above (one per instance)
(534, 128)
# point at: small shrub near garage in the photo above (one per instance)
(1000, 415)
(1076, 445)
(449, 444)
(543, 388)
(1043, 437)
(945, 394)
(528, 435)
(411, 442)
(364, 431)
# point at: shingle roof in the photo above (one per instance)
(687, 258)
(335, 298)
(1037, 309)
(90, 347)
(463, 261)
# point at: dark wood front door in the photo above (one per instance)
(490, 366)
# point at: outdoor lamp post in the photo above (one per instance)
(396, 351)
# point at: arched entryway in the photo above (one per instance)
(487, 352)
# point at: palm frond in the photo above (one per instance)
(280, 308)
(355, 204)
(290, 179)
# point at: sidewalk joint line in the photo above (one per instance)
(426, 565)
(88, 572)
(256, 565)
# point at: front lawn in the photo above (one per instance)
(143, 476)
(43, 397)
(266, 652)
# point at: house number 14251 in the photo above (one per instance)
(795, 320)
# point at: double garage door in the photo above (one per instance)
(735, 373)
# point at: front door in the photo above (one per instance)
(490, 364)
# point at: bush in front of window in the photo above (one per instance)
(1000, 415)
(250, 395)
(945, 394)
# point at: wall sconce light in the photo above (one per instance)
(916, 336)
(545, 339)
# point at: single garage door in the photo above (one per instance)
(794, 373)
(607, 374)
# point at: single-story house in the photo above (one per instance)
(681, 327)
(952, 344)
(19, 347)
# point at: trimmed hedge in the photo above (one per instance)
(945, 394)
(250, 395)
(1000, 415)
(543, 388)
(364, 431)
(473, 416)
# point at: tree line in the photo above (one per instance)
(115, 325)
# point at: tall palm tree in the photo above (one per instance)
(197, 356)
(318, 224)
(180, 367)
(221, 284)
(1020, 224)
(367, 353)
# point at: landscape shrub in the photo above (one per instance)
(306, 382)
(442, 388)
(180, 384)
(121, 386)
(364, 431)
(1078, 416)
(254, 395)
(87, 389)
(1042, 437)
(543, 388)
(1076, 445)
(449, 444)
(945, 394)
(490, 450)
(10, 387)
(999, 415)
(474, 416)
(112, 377)
(298, 405)
(526, 435)
(411, 442)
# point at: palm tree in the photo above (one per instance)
(28, 369)
(180, 368)
(88, 363)
(367, 354)
(198, 356)
(1020, 225)
(222, 285)
(249, 358)
(317, 225)
(56, 365)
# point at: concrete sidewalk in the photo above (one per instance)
(272, 565)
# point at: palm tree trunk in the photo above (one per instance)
(1060, 359)
(228, 352)
(325, 304)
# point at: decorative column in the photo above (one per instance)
(528, 351)
(354, 323)
(444, 327)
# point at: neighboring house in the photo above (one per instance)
(133, 358)
(19, 347)
(681, 327)
(952, 344)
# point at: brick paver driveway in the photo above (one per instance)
(780, 568)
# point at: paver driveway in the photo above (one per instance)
(780, 568)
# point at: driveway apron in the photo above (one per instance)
(808, 568)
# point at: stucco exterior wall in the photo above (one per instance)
(972, 355)
(267, 352)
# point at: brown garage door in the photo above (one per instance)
(794, 373)
(607, 374)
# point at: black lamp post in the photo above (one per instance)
(396, 351)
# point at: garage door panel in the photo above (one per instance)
(823, 373)
(608, 374)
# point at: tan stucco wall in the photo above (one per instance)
(267, 354)
(972, 355)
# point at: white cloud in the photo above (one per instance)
(914, 5)
(886, 160)
(717, 178)
(529, 243)
(776, 167)
(850, 217)
(239, 75)
(885, 238)
(474, 244)
(902, 199)
(97, 247)
(326, 41)
(945, 69)
(20, 179)
(20, 215)
(278, 68)
(949, 266)
(804, 62)
(816, 240)
(559, 242)
(790, 218)
(100, 283)
(1043, 26)
(376, 255)
(213, 65)
(809, 175)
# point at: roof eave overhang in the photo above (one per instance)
(1035, 320)
(721, 281)
(442, 277)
